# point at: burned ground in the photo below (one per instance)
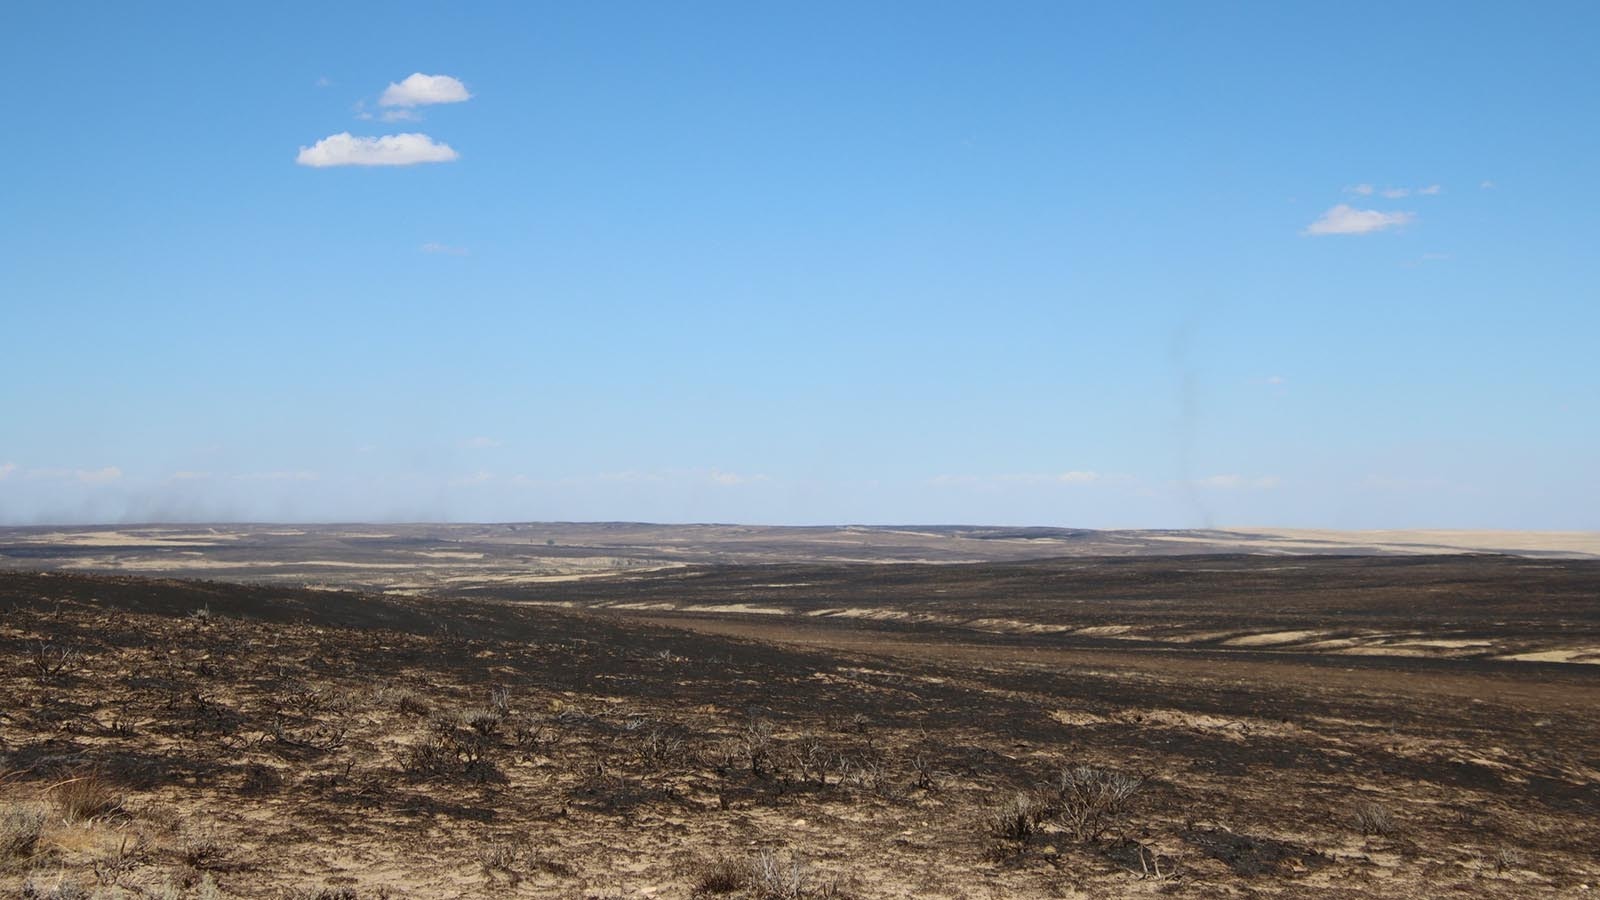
(180, 738)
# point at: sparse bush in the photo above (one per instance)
(84, 797)
(1373, 818)
(37, 887)
(455, 753)
(777, 878)
(260, 779)
(20, 827)
(530, 734)
(202, 851)
(1506, 859)
(768, 875)
(483, 720)
(1015, 821)
(500, 700)
(321, 893)
(402, 700)
(722, 876)
(1088, 802)
(51, 661)
(662, 744)
(502, 858)
(756, 744)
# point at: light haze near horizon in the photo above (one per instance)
(1114, 265)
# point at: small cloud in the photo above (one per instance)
(1430, 190)
(446, 249)
(630, 476)
(345, 149)
(424, 90)
(1239, 482)
(1076, 476)
(190, 476)
(1395, 193)
(400, 115)
(324, 81)
(1486, 185)
(6, 469)
(298, 475)
(480, 443)
(1343, 219)
(1276, 380)
(732, 479)
(98, 476)
(1364, 190)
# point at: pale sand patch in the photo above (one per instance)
(1104, 630)
(1580, 655)
(859, 613)
(132, 539)
(1385, 650)
(1578, 542)
(186, 563)
(448, 554)
(1270, 638)
(1446, 644)
(1016, 626)
(649, 606)
(1196, 637)
(1077, 717)
(739, 608)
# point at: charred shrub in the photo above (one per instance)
(1088, 802)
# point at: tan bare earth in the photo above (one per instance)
(812, 730)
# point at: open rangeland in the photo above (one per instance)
(1203, 726)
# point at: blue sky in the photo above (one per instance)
(1125, 264)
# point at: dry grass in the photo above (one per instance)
(86, 796)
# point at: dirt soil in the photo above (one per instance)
(1072, 728)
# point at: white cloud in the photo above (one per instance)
(400, 115)
(6, 469)
(1395, 193)
(98, 476)
(424, 90)
(278, 476)
(480, 443)
(1237, 482)
(324, 81)
(446, 249)
(1486, 185)
(1430, 190)
(732, 479)
(345, 149)
(1364, 190)
(1070, 477)
(1343, 219)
